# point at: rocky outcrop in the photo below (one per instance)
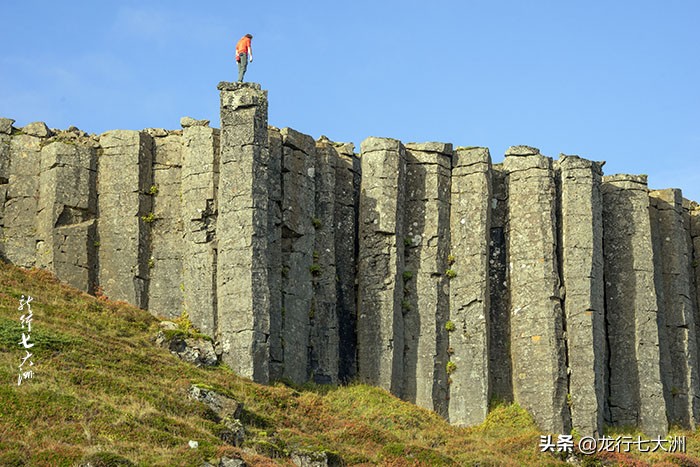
(429, 271)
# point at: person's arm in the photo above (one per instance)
(250, 53)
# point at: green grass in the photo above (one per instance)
(103, 392)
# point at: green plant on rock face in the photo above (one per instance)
(405, 305)
(153, 190)
(183, 322)
(315, 269)
(151, 263)
(148, 218)
(407, 241)
(317, 223)
(450, 326)
(450, 273)
(450, 368)
(450, 259)
(407, 276)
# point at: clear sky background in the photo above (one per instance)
(613, 80)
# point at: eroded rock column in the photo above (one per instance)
(22, 194)
(165, 263)
(324, 317)
(537, 334)
(381, 264)
(426, 282)
(125, 207)
(243, 292)
(66, 241)
(635, 393)
(581, 249)
(200, 183)
(274, 220)
(470, 228)
(347, 200)
(675, 288)
(298, 254)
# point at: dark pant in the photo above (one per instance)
(242, 66)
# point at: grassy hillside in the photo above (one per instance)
(103, 390)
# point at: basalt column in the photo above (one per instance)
(537, 334)
(200, 183)
(274, 238)
(381, 264)
(298, 235)
(324, 317)
(694, 221)
(22, 194)
(347, 199)
(125, 214)
(243, 292)
(470, 220)
(5, 131)
(675, 288)
(581, 249)
(66, 215)
(426, 299)
(634, 390)
(165, 296)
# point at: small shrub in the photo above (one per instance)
(451, 367)
(450, 259)
(315, 269)
(153, 190)
(450, 326)
(317, 223)
(407, 276)
(148, 218)
(450, 274)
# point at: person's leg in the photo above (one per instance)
(242, 66)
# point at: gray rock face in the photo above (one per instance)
(426, 297)
(186, 122)
(38, 129)
(199, 186)
(324, 339)
(243, 290)
(165, 262)
(537, 334)
(4, 179)
(381, 264)
(124, 178)
(315, 459)
(21, 200)
(198, 351)
(581, 252)
(66, 213)
(275, 267)
(675, 289)
(298, 262)
(634, 379)
(470, 226)
(6, 125)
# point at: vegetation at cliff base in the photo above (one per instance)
(104, 393)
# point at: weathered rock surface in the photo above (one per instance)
(537, 333)
(470, 228)
(635, 392)
(581, 250)
(381, 264)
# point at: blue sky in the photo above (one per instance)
(608, 80)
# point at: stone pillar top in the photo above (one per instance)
(229, 86)
(627, 181)
(522, 151)
(432, 146)
(379, 144)
(466, 156)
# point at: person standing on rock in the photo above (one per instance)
(244, 52)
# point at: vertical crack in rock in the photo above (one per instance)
(345, 228)
(125, 214)
(199, 212)
(675, 289)
(581, 259)
(469, 323)
(500, 365)
(537, 340)
(380, 332)
(635, 391)
(275, 266)
(243, 289)
(693, 219)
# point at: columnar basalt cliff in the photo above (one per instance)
(420, 268)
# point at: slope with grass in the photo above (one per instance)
(102, 391)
